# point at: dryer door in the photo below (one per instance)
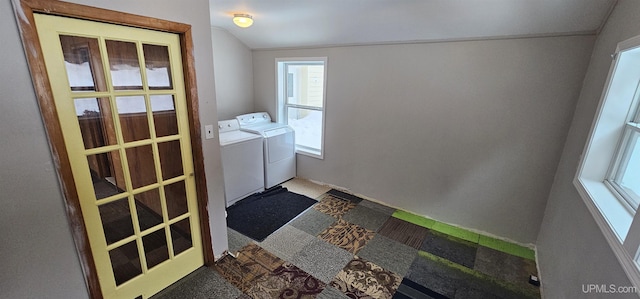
(280, 144)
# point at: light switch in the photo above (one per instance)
(208, 129)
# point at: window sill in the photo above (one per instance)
(598, 195)
(311, 153)
(614, 220)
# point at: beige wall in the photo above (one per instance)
(234, 75)
(37, 253)
(571, 249)
(468, 133)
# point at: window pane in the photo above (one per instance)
(176, 196)
(106, 174)
(133, 118)
(96, 124)
(124, 65)
(181, 236)
(170, 159)
(83, 63)
(142, 168)
(155, 248)
(305, 85)
(149, 209)
(116, 220)
(629, 173)
(158, 68)
(125, 262)
(308, 127)
(164, 115)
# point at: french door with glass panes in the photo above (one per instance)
(120, 98)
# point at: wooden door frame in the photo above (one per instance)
(24, 10)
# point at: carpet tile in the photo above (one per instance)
(456, 250)
(321, 259)
(365, 217)
(287, 281)
(279, 243)
(348, 236)
(452, 280)
(202, 283)
(330, 292)
(412, 290)
(399, 255)
(312, 221)
(235, 273)
(389, 254)
(368, 278)
(299, 281)
(404, 232)
(503, 266)
(254, 254)
(334, 206)
(378, 207)
(344, 195)
(236, 240)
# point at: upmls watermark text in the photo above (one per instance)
(592, 288)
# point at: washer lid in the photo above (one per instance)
(261, 128)
(232, 137)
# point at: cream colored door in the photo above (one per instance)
(119, 94)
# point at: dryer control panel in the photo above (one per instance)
(228, 125)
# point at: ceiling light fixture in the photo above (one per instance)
(242, 20)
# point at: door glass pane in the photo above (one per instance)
(308, 126)
(149, 209)
(141, 166)
(124, 65)
(305, 85)
(125, 261)
(96, 124)
(106, 174)
(181, 236)
(164, 115)
(83, 63)
(155, 248)
(170, 159)
(116, 220)
(158, 67)
(133, 118)
(176, 196)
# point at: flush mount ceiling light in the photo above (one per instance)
(242, 20)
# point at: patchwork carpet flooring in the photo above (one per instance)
(346, 247)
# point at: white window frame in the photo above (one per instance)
(620, 161)
(601, 158)
(282, 105)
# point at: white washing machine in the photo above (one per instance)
(279, 146)
(242, 161)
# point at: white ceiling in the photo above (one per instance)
(312, 23)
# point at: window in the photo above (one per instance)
(608, 178)
(624, 176)
(301, 101)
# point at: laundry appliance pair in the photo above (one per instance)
(257, 154)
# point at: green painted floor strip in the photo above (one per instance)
(413, 218)
(493, 243)
(456, 232)
(507, 247)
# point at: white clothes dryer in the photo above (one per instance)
(242, 161)
(279, 146)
